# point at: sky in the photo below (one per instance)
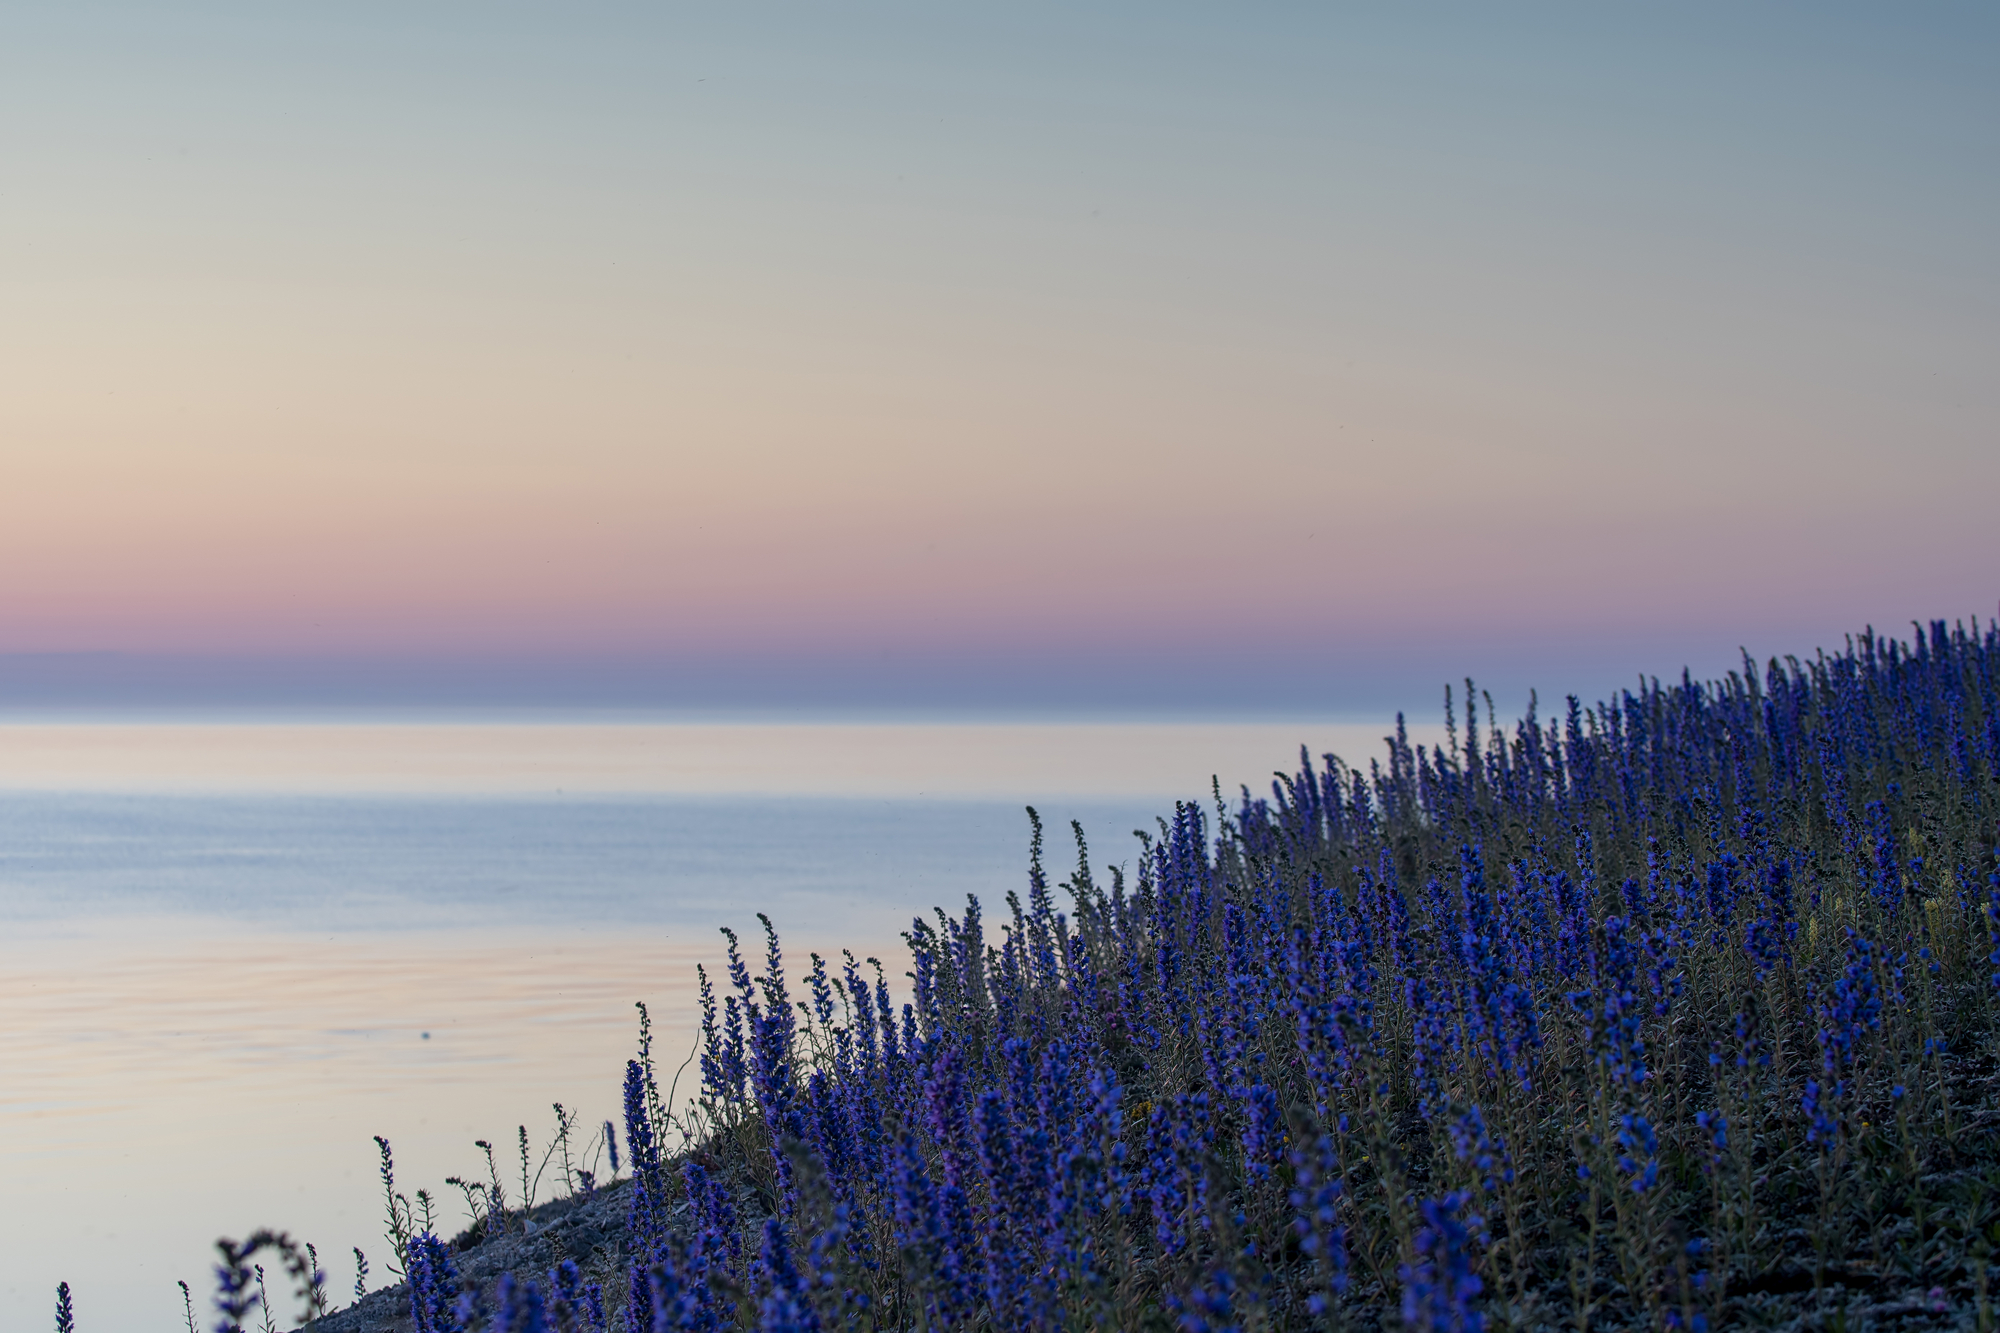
(1196, 360)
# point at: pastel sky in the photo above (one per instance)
(1202, 358)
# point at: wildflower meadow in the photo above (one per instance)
(1672, 1012)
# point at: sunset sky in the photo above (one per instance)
(1203, 359)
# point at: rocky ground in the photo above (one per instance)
(589, 1229)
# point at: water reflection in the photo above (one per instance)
(158, 1094)
(1028, 761)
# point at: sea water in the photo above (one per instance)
(230, 955)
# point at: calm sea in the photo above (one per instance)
(230, 954)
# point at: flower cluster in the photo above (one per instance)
(1264, 1074)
